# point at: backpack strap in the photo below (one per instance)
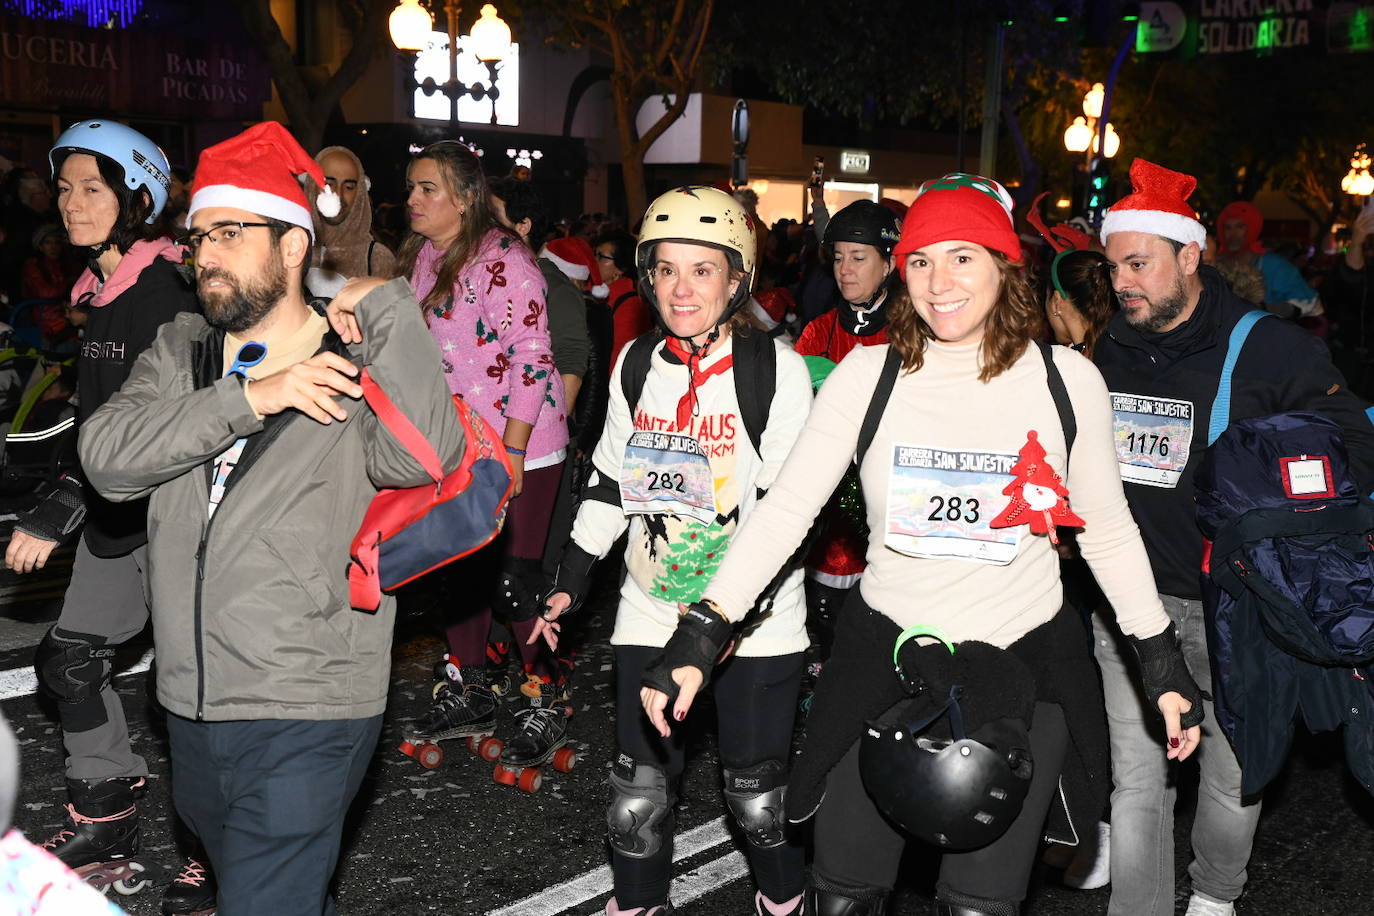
(756, 379)
(621, 300)
(1221, 404)
(887, 378)
(1061, 400)
(399, 425)
(635, 371)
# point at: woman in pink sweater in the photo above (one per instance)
(483, 298)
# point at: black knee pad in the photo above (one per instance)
(640, 814)
(754, 796)
(949, 902)
(73, 669)
(828, 897)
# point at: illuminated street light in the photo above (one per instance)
(1113, 141)
(410, 25)
(1078, 136)
(1092, 101)
(490, 36)
(1358, 181)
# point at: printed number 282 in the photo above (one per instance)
(953, 509)
(665, 481)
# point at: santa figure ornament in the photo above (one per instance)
(1038, 496)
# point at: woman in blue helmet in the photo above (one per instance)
(111, 185)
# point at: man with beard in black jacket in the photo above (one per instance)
(1162, 358)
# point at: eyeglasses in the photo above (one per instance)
(250, 354)
(605, 257)
(225, 238)
(696, 276)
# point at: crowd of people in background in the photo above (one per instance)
(650, 377)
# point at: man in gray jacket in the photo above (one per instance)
(239, 426)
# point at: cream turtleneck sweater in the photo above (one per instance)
(1007, 582)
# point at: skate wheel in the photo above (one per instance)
(407, 748)
(127, 887)
(504, 775)
(530, 780)
(489, 749)
(564, 759)
(430, 756)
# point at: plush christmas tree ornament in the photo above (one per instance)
(1038, 497)
(260, 171)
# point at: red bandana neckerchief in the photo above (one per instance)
(687, 406)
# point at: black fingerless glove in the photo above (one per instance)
(58, 515)
(1162, 670)
(574, 576)
(697, 642)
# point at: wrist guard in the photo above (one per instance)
(574, 576)
(697, 642)
(1162, 670)
(58, 515)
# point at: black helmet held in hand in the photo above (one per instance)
(960, 792)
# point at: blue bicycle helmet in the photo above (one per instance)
(144, 164)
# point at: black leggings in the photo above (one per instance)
(857, 846)
(756, 702)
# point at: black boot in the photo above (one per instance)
(952, 903)
(825, 897)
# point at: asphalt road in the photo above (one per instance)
(452, 841)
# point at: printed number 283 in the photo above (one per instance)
(953, 509)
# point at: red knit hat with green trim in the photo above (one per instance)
(962, 207)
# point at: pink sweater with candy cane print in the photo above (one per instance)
(494, 338)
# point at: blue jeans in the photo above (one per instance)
(267, 798)
(1142, 851)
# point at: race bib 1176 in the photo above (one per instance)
(1153, 438)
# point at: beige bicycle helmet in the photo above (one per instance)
(699, 215)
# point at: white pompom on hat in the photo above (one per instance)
(575, 258)
(1157, 204)
(260, 171)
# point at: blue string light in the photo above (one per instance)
(97, 14)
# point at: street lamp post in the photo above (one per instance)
(1358, 182)
(411, 26)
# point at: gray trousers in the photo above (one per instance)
(106, 598)
(1142, 844)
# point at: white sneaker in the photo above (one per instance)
(1199, 905)
(1092, 867)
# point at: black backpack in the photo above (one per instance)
(755, 373)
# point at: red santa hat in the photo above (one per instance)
(259, 171)
(1157, 204)
(574, 256)
(967, 208)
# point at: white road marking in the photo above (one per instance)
(566, 895)
(20, 682)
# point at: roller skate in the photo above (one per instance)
(101, 841)
(193, 892)
(541, 735)
(464, 707)
(498, 663)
